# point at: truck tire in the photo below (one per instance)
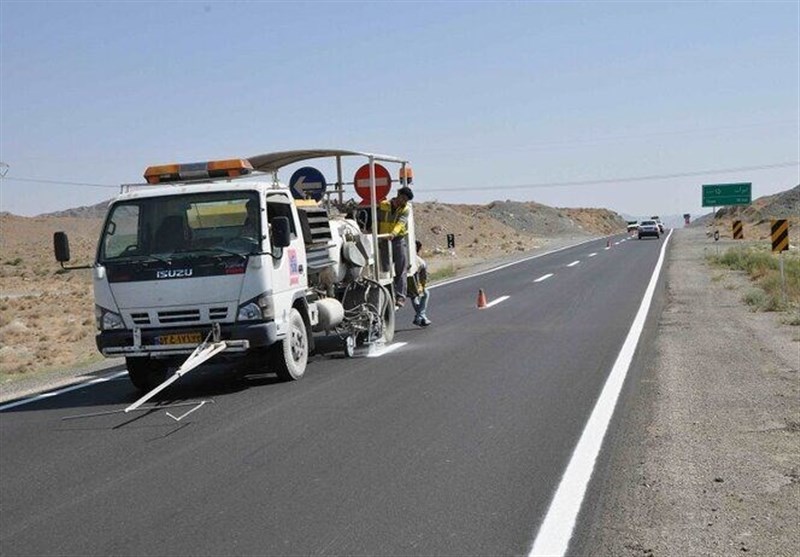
(291, 354)
(146, 373)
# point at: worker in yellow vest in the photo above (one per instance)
(393, 220)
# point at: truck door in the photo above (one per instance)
(289, 263)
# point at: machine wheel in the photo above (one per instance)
(146, 373)
(291, 354)
(388, 318)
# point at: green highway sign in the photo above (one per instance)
(719, 195)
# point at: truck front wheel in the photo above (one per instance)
(291, 354)
(146, 373)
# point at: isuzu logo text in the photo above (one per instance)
(173, 273)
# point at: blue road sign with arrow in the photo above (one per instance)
(307, 183)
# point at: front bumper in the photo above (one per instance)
(239, 338)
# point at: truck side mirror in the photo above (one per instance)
(281, 234)
(61, 246)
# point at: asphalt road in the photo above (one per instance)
(451, 444)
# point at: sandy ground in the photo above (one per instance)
(708, 459)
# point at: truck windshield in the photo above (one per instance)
(196, 225)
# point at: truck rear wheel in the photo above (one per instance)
(291, 354)
(146, 373)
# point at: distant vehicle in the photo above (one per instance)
(633, 226)
(659, 224)
(648, 228)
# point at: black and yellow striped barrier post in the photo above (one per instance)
(738, 230)
(780, 235)
(780, 243)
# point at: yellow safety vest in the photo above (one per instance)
(391, 221)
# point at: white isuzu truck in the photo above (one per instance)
(223, 253)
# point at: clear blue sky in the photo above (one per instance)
(478, 96)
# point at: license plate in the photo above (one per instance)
(180, 338)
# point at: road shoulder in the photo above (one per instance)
(706, 458)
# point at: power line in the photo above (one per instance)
(621, 180)
(645, 178)
(60, 182)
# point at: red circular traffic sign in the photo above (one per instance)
(383, 183)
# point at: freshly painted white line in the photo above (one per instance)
(590, 255)
(497, 301)
(544, 277)
(517, 262)
(556, 530)
(62, 391)
(573, 263)
(385, 350)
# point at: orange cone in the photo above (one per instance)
(481, 299)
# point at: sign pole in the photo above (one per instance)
(783, 280)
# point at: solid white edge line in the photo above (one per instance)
(497, 301)
(511, 264)
(573, 263)
(556, 530)
(50, 394)
(544, 277)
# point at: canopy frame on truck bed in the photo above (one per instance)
(272, 162)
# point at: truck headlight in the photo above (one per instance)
(106, 320)
(257, 309)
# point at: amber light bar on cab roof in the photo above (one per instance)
(197, 171)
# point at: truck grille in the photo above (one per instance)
(184, 316)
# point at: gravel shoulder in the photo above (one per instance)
(707, 457)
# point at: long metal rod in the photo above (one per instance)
(202, 353)
(374, 209)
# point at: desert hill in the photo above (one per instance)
(47, 314)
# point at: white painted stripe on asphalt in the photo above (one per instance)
(556, 530)
(50, 394)
(573, 263)
(544, 277)
(497, 301)
(592, 254)
(506, 265)
(385, 350)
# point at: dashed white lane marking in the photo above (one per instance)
(62, 391)
(556, 530)
(385, 350)
(544, 277)
(592, 254)
(497, 301)
(616, 243)
(607, 248)
(573, 263)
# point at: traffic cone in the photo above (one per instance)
(608, 243)
(481, 299)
